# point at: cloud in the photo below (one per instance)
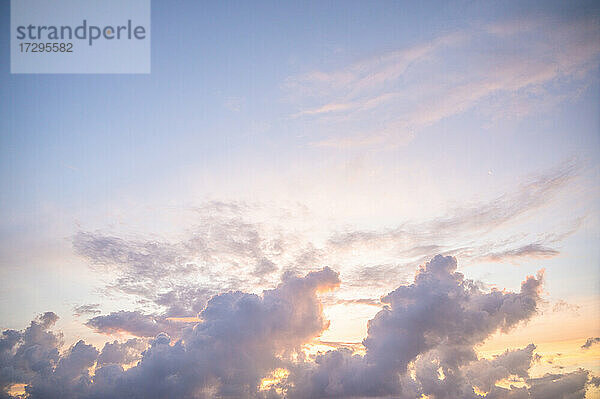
(484, 373)
(422, 342)
(378, 275)
(535, 250)
(437, 320)
(234, 245)
(528, 196)
(387, 99)
(86, 309)
(365, 75)
(121, 353)
(462, 231)
(147, 257)
(69, 379)
(569, 385)
(28, 353)
(590, 342)
(165, 273)
(131, 322)
(236, 343)
(325, 109)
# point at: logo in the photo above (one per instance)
(80, 36)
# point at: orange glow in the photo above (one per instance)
(17, 389)
(558, 337)
(276, 377)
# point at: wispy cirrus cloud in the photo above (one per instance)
(416, 239)
(537, 251)
(165, 272)
(230, 248)
(387, 99)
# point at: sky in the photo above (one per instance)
(307, 200)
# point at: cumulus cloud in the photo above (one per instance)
(26, 354)
(236, 344)
(434, 324)
(241, 338)
(484, 373)
(121, 353)
(69, 379)
(422, 342)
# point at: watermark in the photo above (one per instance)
(80, 36)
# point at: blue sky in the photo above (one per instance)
(364, 136)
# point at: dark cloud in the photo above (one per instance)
(69, 379)
(29, 353)
(121, 353)
(551, 386)
(590, 342)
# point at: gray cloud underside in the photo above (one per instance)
(421, 343)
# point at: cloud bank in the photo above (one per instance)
(251, 346)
